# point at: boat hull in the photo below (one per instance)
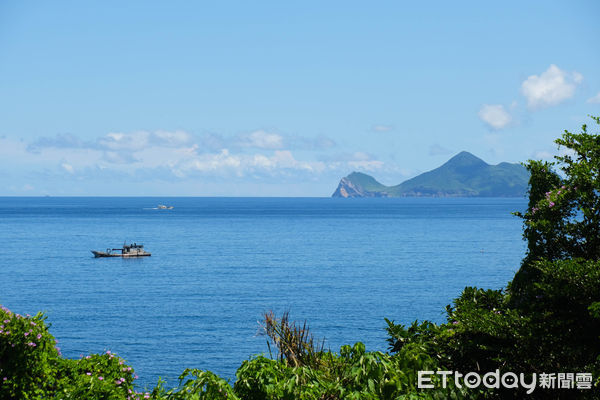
(99, 254)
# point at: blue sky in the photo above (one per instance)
(281, 99)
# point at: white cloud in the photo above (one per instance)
(119, 157)
(62, 140)
(563, 151)
(285, 159)
(595, 99)
(320, 142)
(548, 155)
(129, 148)
(542, 155)
(215, 162)
(11, 148)
(226, 163)
(361, 156)
(495, 115)
(367, 165)
(356, 161)
(129, 142)
(124, 141)
(261, 140)
(68, 167)
(145, 157)
(550, 88)
(382, 128)
(175, 138)
(125, 148)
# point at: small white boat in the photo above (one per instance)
(163, 207)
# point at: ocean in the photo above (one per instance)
(218, 264)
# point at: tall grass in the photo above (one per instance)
(295, 343)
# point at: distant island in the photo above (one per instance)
(464, 175)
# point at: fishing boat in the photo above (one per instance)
(128, 250)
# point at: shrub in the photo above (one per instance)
(196, 384)
(31, 366)
(28, 356)
(97, 376)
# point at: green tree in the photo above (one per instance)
(548, 320)
(562, 220)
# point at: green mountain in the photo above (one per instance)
(464, 175)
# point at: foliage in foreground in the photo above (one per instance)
(32, 367)
(548, 320)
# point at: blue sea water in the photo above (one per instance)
(219, 263)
